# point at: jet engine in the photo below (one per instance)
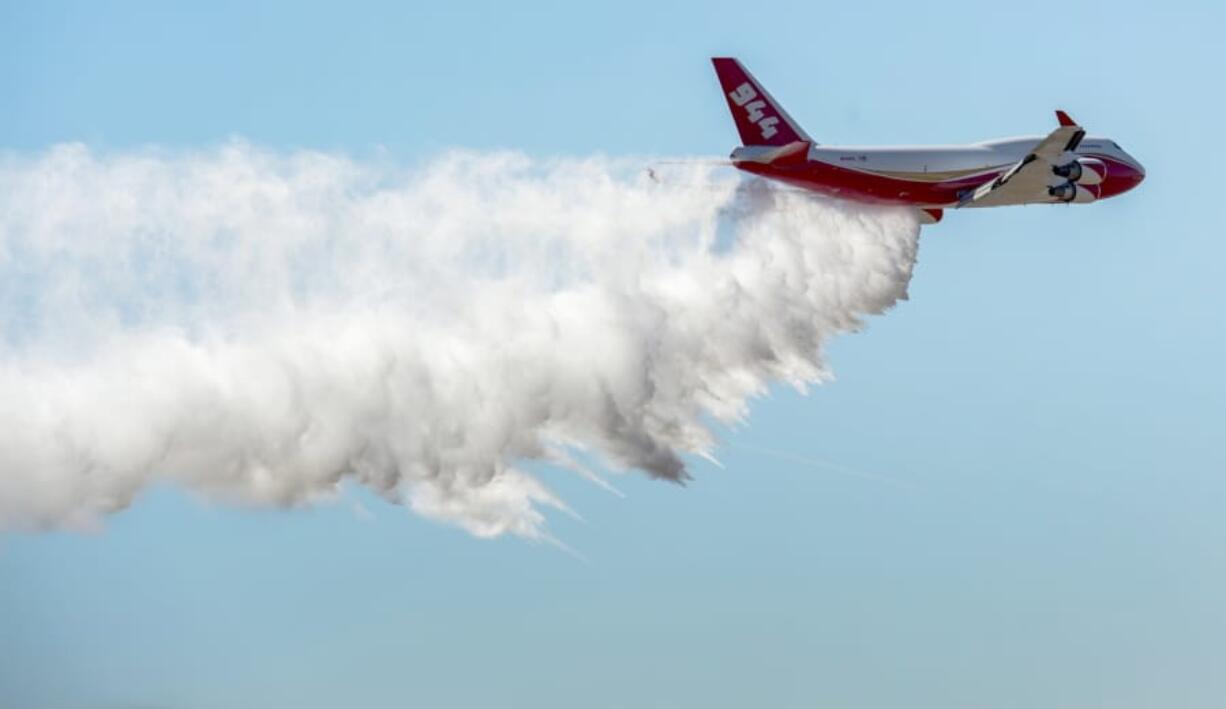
(1072, 192)
(1086, 171)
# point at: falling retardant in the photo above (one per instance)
(259, 327)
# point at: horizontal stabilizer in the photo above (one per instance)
(794, 153)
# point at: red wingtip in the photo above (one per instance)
(1064, 119)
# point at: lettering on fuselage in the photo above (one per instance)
(744, 96)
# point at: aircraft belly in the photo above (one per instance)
(913, 177)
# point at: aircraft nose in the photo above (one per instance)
(1121, 177)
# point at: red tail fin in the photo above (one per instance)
(759, 118)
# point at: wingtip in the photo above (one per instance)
(1064, 118)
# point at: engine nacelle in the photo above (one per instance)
(1072, 192)
(1085, 171)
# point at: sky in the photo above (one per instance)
(1010, 496)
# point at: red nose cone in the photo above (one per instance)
(1121, 177)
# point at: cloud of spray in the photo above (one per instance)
(259, 327)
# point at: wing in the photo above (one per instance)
(1029, 179)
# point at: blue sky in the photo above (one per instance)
(1048, 406)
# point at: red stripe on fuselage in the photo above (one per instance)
(863, 186)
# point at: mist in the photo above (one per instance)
(261, 327)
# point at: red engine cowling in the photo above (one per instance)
(1084, 171)
(1070, 192)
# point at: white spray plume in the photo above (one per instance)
(259, 327)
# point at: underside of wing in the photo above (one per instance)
(1034, 178)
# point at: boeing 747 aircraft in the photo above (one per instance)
(1066, 166)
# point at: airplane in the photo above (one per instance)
(1065, 167)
